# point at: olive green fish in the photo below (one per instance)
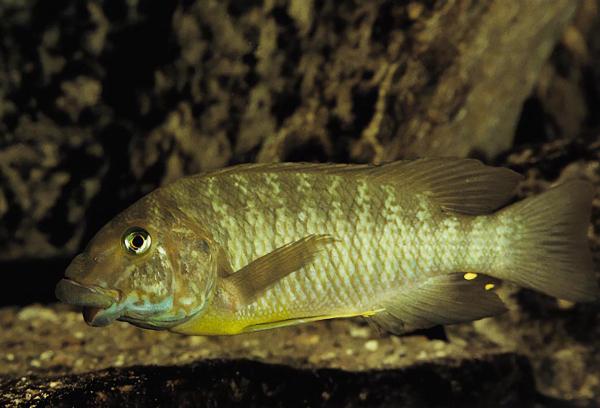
(408, 245)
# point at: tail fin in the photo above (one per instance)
(552, 254)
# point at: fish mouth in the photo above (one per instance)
(97, 317)
(99, 306)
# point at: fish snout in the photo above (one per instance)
(99, 308)
(71, 292)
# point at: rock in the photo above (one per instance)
(55, 340)
(55, 359)
(496, 380)
(111, 100)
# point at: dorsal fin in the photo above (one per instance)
(458, 185)
(295, 167)
(464, 186)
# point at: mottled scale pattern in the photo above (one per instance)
(387, 240)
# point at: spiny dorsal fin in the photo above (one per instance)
(253, 279)
(445, 299)
(458, 185)
(464, 186)
(291, 167)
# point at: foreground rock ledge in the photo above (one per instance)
(51, 357)
(497, 379)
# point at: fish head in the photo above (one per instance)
(150, 266)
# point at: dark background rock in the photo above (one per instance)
(100, 102)
(104, 101)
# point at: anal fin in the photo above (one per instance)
(282, 323)
(445, 299)
(306, 319)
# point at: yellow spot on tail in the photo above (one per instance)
(489, 286)
(470, 276)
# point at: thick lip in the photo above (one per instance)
(99, 306)
(97, 317)
(74, 293)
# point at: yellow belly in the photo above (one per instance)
(227, 323)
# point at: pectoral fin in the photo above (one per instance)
(223, 266)
(445, 299)
(255, 278)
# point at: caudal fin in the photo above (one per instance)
(550, 253)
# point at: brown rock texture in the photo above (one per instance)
(103, 101)
(56, 359)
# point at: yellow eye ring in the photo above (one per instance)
(137, 241)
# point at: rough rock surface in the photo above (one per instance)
(331, 363)
(100, 102)
(251, 384)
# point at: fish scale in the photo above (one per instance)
(365, 219)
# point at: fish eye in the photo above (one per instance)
(137, 240)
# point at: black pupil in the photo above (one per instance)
(137, 241)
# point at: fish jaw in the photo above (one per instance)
(99, 305)
(97, 317)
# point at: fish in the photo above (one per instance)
(407, 245)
